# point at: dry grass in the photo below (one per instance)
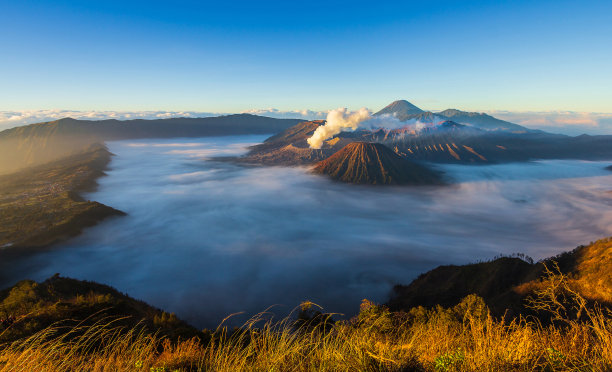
(464, 338)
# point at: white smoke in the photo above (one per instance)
(342, 120)
(338, 120)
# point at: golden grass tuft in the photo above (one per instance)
(463, 338)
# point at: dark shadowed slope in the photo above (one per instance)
(37, 143)
(505, 283)
(375, 164)
(28, 307)
(40, 205)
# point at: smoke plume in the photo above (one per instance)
(342, 120)
(338, 120)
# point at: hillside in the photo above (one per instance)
(289, 147)
(28, 307)
(108, 330)
(41, 205)
(439, 142)
(38, 143)
(374, 164)
(507, 282)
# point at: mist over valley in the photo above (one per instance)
(205, 238)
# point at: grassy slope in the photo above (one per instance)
(32, 307)
(459, 337)
(506, 282)
(40, 205)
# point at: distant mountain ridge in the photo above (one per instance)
(38, 143)
(404, 111)
(112, 129)
(440, 141)
(481, 120)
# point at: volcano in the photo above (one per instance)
(402, 109)
(375, 164)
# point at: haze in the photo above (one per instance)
(208, 238)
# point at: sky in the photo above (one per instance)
(534, 60)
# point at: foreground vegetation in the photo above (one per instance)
(568, 327)
(507, 282)
(41, 205)
(462, 338)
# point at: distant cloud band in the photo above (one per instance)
(9, 119)
(568, 122)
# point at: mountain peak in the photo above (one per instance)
(401, 109)
(375, 164)
(481, 120)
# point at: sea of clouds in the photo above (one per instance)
(564, 122)
(206, 238)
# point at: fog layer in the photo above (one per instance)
(205, 238)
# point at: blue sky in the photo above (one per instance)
(235, 56)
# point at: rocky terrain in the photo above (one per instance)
(374, 164)
(451, 136)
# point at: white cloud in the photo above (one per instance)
(10, 119)
(291, 114)
(567, 122)
(340, 120)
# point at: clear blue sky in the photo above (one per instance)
(232, 56)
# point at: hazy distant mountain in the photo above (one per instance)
(405, 111)
(481, 120)
(37, 143)
(439, 142)
(445, 142)
(375, 164)
(402, 109)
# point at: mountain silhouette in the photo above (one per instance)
(402, 109)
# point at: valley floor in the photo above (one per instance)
(41, 205)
